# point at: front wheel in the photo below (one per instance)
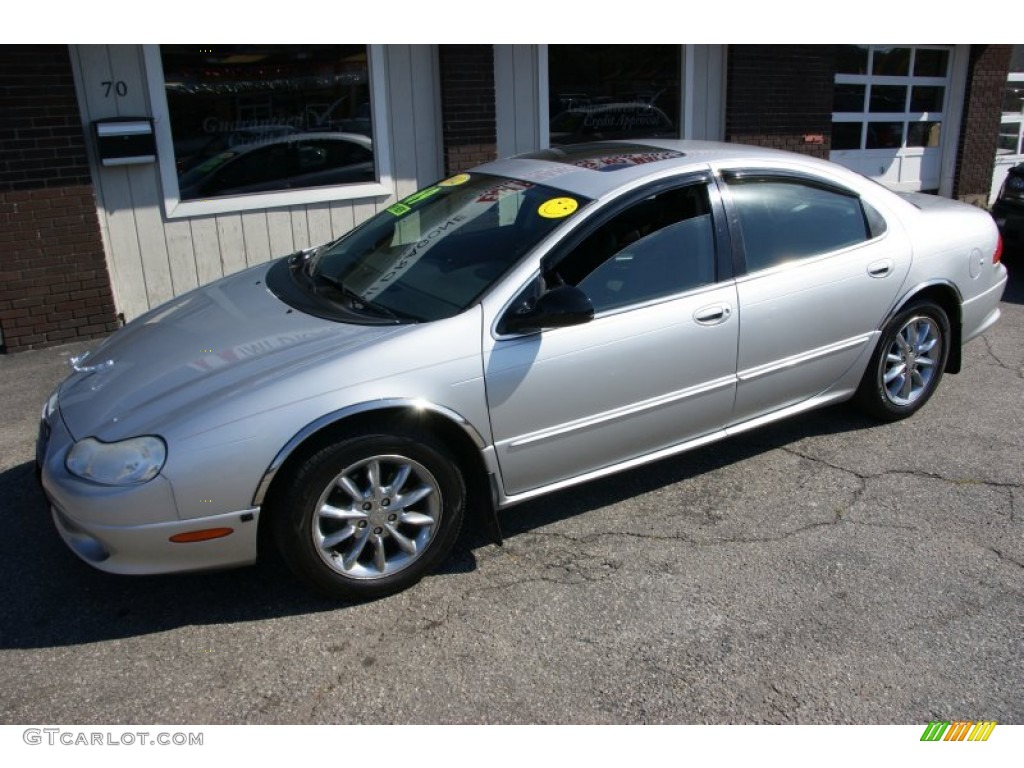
(370, 515)
(907, 365)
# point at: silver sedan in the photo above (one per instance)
(531, 324)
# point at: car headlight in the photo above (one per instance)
(128, 462)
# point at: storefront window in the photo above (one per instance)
(613, 92)
(248, 119)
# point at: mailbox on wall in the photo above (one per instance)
(125, 141)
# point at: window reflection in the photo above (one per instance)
(1013, 98)
(891, 61)
(927, 98)
(848, 97)
(852, 59)
(888, 98)
(846, 135)
(258, 118)
(930, 62)
(884, 135)
(613, 92)
(1009, 138)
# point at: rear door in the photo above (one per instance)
(822, 268)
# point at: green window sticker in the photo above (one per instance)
(423, 194)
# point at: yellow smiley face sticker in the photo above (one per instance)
(454, 181)
(557, 207)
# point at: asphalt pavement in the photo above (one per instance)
(829, 569)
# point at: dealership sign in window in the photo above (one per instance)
(613, 92)
(248, 119)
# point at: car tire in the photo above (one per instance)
(370, 515)
(907, 364)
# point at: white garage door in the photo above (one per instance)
(888, 110)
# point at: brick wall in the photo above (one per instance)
(780, 96)
(54, 284)
(467, 105)
(979, 131)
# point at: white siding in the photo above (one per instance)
(704, 92)
(152, 258)
(521, 98)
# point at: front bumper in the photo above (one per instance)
(148, 549)
(128, 529)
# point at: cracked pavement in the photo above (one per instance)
(827, 569)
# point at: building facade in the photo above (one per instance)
(133, 173)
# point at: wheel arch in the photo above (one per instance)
(946, 295)
(458, 434)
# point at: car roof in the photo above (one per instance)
(594, 169)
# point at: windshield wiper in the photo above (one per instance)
(355, 301)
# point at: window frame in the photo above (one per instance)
(787, 177)
(723, 261)
(175, 207)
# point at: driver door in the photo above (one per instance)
(655, 367)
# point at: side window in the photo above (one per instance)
(254, 166)
(783, 220)
(658, 247)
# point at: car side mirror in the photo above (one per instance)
(558, 308)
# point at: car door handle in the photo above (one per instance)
(882, 268)
(712, 315)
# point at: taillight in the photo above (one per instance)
(998, 254)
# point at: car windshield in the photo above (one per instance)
(431, 255)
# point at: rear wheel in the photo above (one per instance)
(371, 515)
(907, 365)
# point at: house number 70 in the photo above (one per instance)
(119, 87)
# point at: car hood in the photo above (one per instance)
(197, 351)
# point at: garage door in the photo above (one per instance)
(888, 110)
